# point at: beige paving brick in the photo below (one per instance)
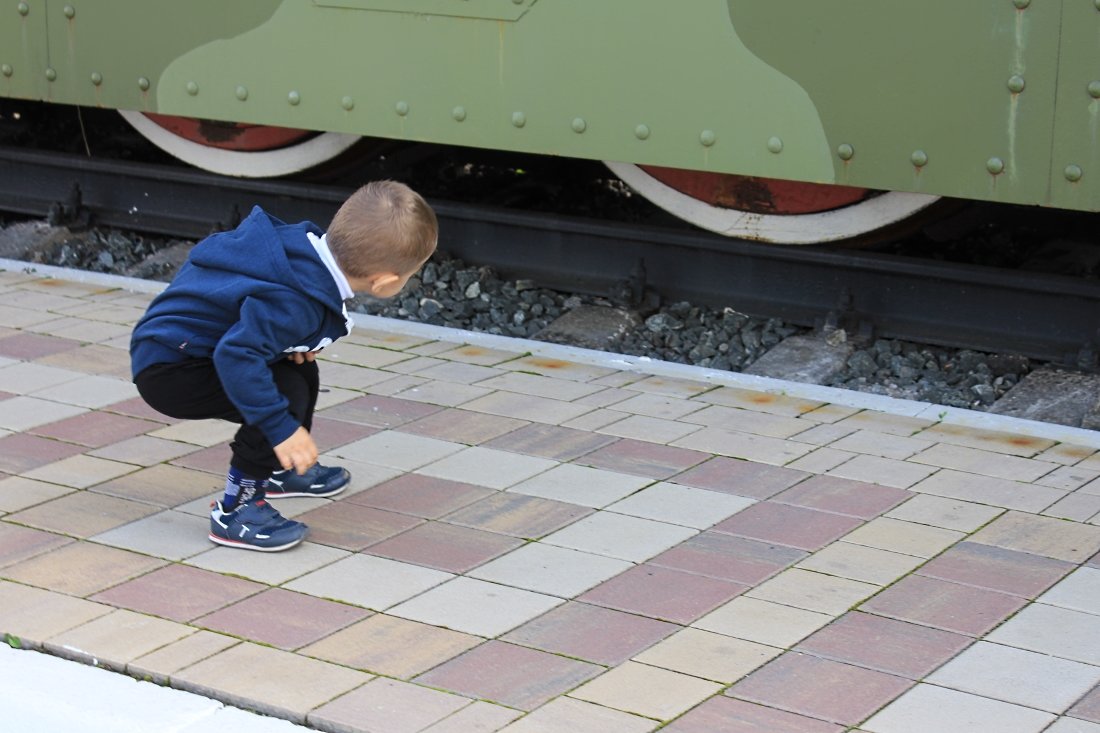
(821, 460)
(828, 414)
(96, 358)
(985, 463)
(822, 434)
(885, 471)
(477, 717)
(242, 675)
(199, 432)
(449, 394)
(1067, 454)
(391, 646)
(593, 420)
(764, 622)
(908, 538)
(567, 715)
(90, 391)
(81, 568)
(708, 655)
(33, 615)
(1078, 507)
(159, 665)
(26, 377)
(18, 493)
(1068, 478)
(954, 514)
(606, 397)
(143, 450)
(986, 490)
(992, 440)
(813, 591)
(1047, 536)
(170, 535)
(80, 472)
(116, 639)
(535, 409)
(21, 317)
(396, 385)
(657, 405)
(558, 368)
(469, 354)
(883, 445)
(332, 396)
(650, 429)
(80, 329)
(671, 386)
(387, 705)
(82, 514)
(412, 366)
(1092, 462)
(351, 377)
(535, 385)
(776, 404)
(926, 708)
(23, 413)
(165, 486)
(346, 352)
(644, 690)
(857, 562)
(747, 421)
(265, 568)
(387, 340)
(881, 422)
(742, 445)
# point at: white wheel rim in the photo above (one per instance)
(256, 164)
(826, 226)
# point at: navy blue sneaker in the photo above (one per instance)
(254, 525)
(317, 481)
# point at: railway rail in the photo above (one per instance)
(1046, 317)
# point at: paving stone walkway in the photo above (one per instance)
(537, 545)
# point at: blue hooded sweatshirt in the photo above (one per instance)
(246, 299)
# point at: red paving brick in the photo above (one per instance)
(282, 618)
(29, 346)
(179, 592)
(943, 605)
(726, 715)
(378, 411)
(551, 441)
(592, 633)
(820, 688)
(20, 452)
(512, 675)
(886, 645)
(137, 407)
(19, 543)
(528, 517)
(844, 496)
(1088, 707)
(446, 547)
(661, 593)
(996, 568)
(719, 555)
(462, 426)
(96, 429)
(643, 459)
(329, 434)
(743, 478)
(354, 527)
(422, 496)
(805, 529)
(214, 459)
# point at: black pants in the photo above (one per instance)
(191, 390)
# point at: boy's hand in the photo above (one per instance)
(298, 451)
(301, 357)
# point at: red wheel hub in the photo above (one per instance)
(757, 195)
(230, 135)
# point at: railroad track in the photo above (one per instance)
(1045, 317)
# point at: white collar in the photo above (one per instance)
(320, 244)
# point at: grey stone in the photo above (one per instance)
(590, 327)
(806, 358)
(20, 240)
(1054, 396)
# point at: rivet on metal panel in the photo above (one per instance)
(995, 166)
(7, 70)
(23, 8)
(97, 78)
(143, 84)
(241, 92)
(192, 88)
(459, 113)
(845, 151)
(1073, 173)
(347, 103)
(775, 145)
(1016, 83)
(401, 108)
(69, 11)
(707, 138)
(51, 74)
(1021, 4)
(1094, 89)
(919, 158)
(293, 98)
(579, 125)
(641, 132)
(519, 119)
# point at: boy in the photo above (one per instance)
(235, 335)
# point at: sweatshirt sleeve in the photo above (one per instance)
(243, 354)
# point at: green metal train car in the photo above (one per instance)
(793, 121)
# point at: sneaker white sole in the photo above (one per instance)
(269, 494)
(245, 546)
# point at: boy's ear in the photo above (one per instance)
(379, 282)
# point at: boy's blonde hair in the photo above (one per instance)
(384, 227)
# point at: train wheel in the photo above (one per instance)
(766, 210)
(245, 151)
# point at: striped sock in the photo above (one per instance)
(240, 488)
